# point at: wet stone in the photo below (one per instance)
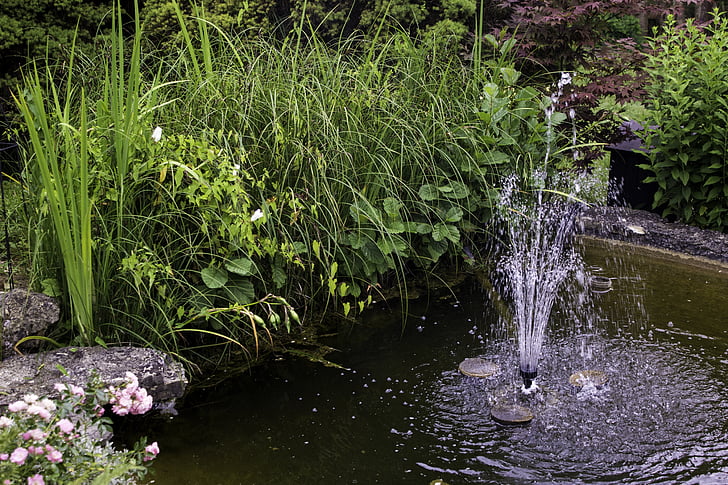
(511, 414)
(583, 378)
(478, 367)
(600, 284)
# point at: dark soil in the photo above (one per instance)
(644, 228)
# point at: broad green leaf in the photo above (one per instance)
(455, 190)
(354, 290)
(428, 192)
(392, 206)
(241, 291)
(214, 277)
(712, 180)
(442, 231)
(241, 266)
(279, 276)
(454, 214)
(395, 227)
(392, 244)
(300, 247)
(490, 90)
(436, 249)
(557, 118)
(509, 75)
(496, 157)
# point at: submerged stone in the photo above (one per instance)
(478, 367)
(511, 414)
(583, 378)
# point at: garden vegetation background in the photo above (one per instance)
(204, 180)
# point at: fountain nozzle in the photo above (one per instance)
(528, 377)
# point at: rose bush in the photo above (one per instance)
(66, 441)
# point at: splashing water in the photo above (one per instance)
(538, 224)
(536, 263)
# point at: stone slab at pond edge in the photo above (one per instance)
(162, 377)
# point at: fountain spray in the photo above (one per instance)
(539, 223)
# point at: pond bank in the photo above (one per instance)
(645, 229)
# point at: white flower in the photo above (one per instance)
(157, 134)
(236, 169)
(565, 79)
(256, 215)
(48, 404)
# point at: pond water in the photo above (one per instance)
(403, 414)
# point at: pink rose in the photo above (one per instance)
(39, 410)
(18, 406)
(35, 450)
(65, 425)
(77, 390)
(151, 451)
(18, 456)
(36, 479)
(34, 434)
(54, 456)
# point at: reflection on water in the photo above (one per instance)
(404, 415)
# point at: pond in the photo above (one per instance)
(402, 413)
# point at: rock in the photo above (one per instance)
(478, 367)
(23, 314)
(162, 377)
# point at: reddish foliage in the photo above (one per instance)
(563, 35)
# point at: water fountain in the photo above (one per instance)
(537, 261)
(538, 219)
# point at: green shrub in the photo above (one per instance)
(44, 26)
(689, 108)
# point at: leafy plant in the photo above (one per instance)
(687, 122)
(61, 153)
